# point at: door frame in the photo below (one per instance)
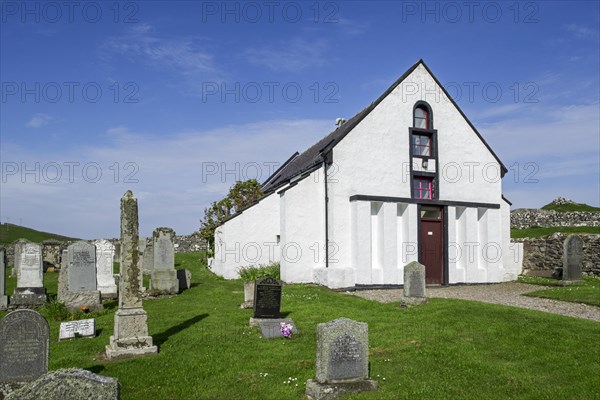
(445, 273)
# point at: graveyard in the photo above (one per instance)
(443, 349)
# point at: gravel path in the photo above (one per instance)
(508, 293)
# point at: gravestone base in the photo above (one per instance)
(316, 390)
(34, 296)
(108, 292)
(570, 282)
(164, 282)
(3, 302)
(131, 337)
(412, 301)
(271, 327)
(75, 300)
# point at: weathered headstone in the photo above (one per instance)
(342, 360)
(414, 284)
(30, 277)
(148, 259)
(78, 328)
(24, 343)
(77, 278)
(572, 258)
(163, 277)
(130, 337)
(267, 298)
(18, 249)
(3, 296)
(105, 256)
(66, 384)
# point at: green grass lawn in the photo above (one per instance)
(447, 349)
(587, 291)
(9, 233)
(539, 232)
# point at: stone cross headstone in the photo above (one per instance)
(572, 258)
(3, 297)
(30, 277)
(163, 277)
(105, 256)
(414, 284)
(342, 359)
(24, 343)
(130, 337)
(267, 298)
(82, 267)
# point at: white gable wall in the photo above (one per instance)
(248, 239)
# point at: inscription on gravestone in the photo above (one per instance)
(267, 298)
(82, 267)
(24, 341)
(344, 358)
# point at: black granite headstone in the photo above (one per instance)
(267, 298)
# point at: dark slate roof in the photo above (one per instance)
(297, 164)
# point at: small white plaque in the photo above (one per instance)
(82, 327)
(429, 233)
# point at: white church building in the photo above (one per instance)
(409, 178)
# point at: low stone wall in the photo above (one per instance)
(545, 253)
(527, 217)
(52, 249)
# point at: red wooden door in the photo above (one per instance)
(432, 251)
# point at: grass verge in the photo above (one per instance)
(587, 291)
(446, 349)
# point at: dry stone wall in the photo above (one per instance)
(523, 218)
(545, 253)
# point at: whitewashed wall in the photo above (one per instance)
(248, 239)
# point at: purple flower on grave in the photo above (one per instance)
(286, 330)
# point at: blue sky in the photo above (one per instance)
(177, 100)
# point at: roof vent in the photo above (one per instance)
(339, 121)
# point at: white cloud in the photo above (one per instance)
(38, 121)
(583, 32)
(164, 171)
(184, 55)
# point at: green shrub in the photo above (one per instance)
(251, 273)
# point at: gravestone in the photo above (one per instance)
(18, 249)
(148, 259)
(130, 337)
(77, 278)
(24, 342)
(69, 384)
(79, 328)
(271, 328)
(105, 256)
(3, 297)
(163, 278)
(267, 298)
(82, 267)
(414, 285)
(184, 276)
(572, 258)
(342, 360)
(30, 277)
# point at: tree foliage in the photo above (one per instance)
(240, 195)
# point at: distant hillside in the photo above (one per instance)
(563, 205)
(10, 232)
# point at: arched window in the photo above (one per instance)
(422, 117)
